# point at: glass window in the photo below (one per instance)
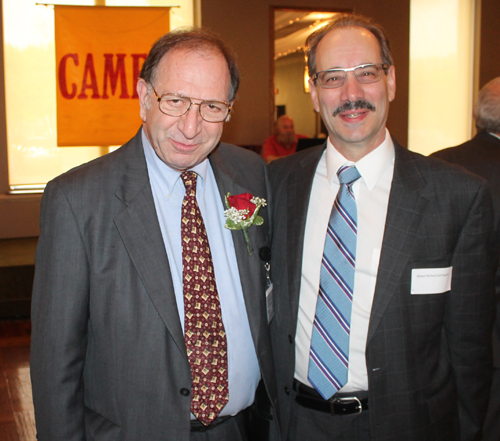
(441, 73)
(30, 88)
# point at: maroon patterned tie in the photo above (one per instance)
(203, 328)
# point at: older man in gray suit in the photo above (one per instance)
(383, 266)
(141, 331)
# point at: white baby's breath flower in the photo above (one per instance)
(236, 215)
(258, 201)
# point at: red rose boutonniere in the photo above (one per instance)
(242, 212)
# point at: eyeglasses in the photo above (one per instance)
(365, 74)
(173, 104)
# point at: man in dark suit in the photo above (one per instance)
(139, 333)
(389, 339)
(481, 155)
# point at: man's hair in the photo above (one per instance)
(347, 21)
(277, 123)
(487, 109)
(190, 39)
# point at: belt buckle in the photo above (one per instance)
(341, 400)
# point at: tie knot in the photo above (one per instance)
(189, 179)
(348, 174)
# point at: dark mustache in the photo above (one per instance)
(353, 105)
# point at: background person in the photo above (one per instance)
(283, 142)
(481, 155)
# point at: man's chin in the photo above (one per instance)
(182, 163)
(287, 142)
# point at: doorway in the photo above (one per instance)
(291, 87)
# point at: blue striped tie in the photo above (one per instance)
(329, 356)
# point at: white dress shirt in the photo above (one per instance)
(168, 192)
(372, 197)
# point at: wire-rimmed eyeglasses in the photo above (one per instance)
(365, 74)
(173, 104)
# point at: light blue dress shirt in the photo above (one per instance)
(168, 192)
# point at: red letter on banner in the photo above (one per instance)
(136, 71)
(89, 70)
(63, 86)
(112, 74)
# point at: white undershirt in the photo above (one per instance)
(372, 196)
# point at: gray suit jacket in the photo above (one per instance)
(108, 358)
(428, 356)
(481, 155)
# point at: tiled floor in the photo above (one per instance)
(17, 422)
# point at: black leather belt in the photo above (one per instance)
(337, 405)
(197, 426)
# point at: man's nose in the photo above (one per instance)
(190, 123)
(352, 89)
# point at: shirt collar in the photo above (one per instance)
(167, 176)
(370, 167)
(494, 134)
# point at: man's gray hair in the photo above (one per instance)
(347, 21)
(487, 109)
(191, 39)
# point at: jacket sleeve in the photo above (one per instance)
(469, 315)
(59, 321)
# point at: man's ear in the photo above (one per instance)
(391, 83)
(228, 117)
(144, 98)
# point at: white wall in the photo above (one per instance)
(289, 82)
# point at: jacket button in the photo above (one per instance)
(265, 254)
(185, 392)
(287, 391)
(290, 339)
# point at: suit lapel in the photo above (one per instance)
(140, 232)
(249, 266)
(404, 215)
(299, 185)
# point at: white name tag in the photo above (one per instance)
(431, 280)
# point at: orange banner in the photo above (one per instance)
(99, 55)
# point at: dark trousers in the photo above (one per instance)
(491, 429)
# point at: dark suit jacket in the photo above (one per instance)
(108, 358)
(428, 356)
(481, 155)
